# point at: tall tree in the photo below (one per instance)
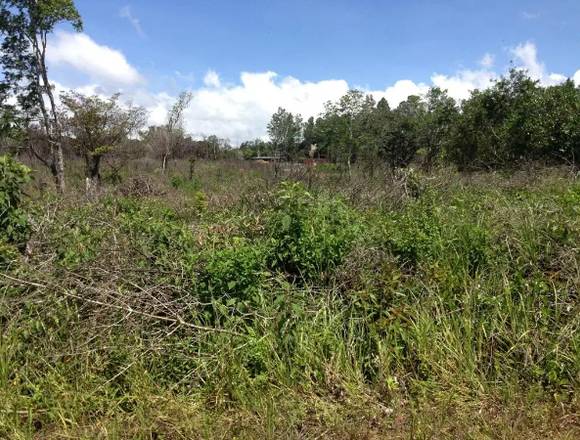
(174, 133)
(400, 140)
(285, 131)
(346, 123)
(437, 124)
(24, 27)
(96, 126)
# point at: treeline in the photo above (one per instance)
(514, 121)
(34, 121)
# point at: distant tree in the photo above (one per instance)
(437, 124)
(255, 148)
(24, 28)
(173, 133)
(285, 131)
(310, 133)
(96, 126)
(400, 139)
(500, 126)
(557, 130)
(346, 125)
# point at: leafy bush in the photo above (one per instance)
(412, 235)
(158, 234)
(14, 226)
(308, 236)
(233, 272)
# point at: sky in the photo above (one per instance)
(244, 59)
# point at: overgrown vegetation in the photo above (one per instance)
(362, 310)
(408, 272)
(14, 225)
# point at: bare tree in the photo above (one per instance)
(173, 133)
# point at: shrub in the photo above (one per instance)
(14, 225)
(308, 236)
(234, 272)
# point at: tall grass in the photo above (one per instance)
(235, 307)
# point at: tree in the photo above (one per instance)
(437, 123)
(25, 26)
(346, 125)
(558, 128)
(285, 131)
(499, 126)
(173, 133)
(96, 126)
(255, 148)
(400, 139)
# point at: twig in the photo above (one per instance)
(177, 320)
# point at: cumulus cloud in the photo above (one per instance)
(576, 78)
(98, 62)
(460, 85)
(212, 79)
(527, 55)
(400, 91)
(126, 12)
(241, 111)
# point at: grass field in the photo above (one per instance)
(240, 305)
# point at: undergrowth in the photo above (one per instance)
(441, 314)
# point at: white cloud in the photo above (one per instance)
(487, 61)
(576, 78)
(126, 12)
(400, 91)
(527, 55)
(212, 79)
(241, 111)
(100, 63)
(460, 85)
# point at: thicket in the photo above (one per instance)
(14, 224)
(285, 312)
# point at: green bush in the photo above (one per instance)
(308, 236)
(14, 225)
(234, 272)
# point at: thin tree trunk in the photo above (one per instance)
(51, 126)
(191, 168)
(164, 163)
(92, 173)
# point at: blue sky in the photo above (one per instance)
(385, 47)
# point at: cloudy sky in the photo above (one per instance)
(244, 59)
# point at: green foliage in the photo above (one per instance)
(24, 26)
(80, 239)
(158, 234)
(513, 122)
(468, 292)
(235, 272)
(285, 131)
(516, 121)
(308, 235)
(14, 225)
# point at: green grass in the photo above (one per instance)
(239, 307)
